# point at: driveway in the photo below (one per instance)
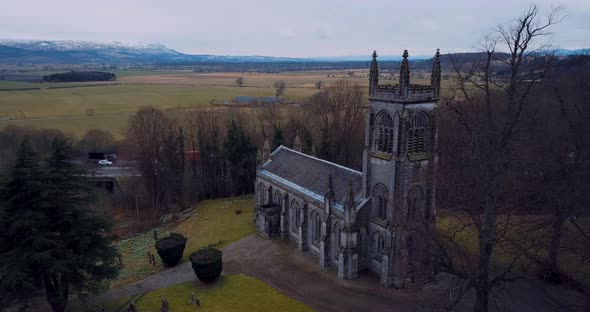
(295, 274)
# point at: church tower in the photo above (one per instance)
(398, 172)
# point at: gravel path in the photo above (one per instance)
(279, 264)
(297, 275)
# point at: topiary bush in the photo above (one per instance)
(170, 248)
(207, 264)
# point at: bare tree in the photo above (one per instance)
(280, 87)
(97, 140)
(149, 129)
(486, 109)
(319, 84)
(339, 111)
(240, 81)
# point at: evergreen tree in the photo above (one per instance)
(240, 152)
(307, 140)
(22, 241)
(326, 148)
(279, 138)
(54, 241)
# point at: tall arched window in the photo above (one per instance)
(316, 227)
(415, 202)
(380, 195)
(378, 243)
(261, 192)
(294, 217)
(417, 133)
(278, 199)
(384, 133)
(336, 241)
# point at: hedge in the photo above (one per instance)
(207, 264)
(170, 248)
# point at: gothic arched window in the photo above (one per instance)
(384, 133)
(380, 195)
(378, 244)
(336, 241)
(316, 227)
(417, 133)
(415, 202)
(294, 216)
(277, 199)
(261, 192)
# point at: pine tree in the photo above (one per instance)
(279, 138)
(22, 240)
(52, 241)
(240, 152)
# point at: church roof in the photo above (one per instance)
(310, 175)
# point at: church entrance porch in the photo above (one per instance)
(268, 217)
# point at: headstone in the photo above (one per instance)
(132, 307)
(154, 259)
(155, 235)
(149, 254)
(120, 259)
(198, 302)
(165, 306)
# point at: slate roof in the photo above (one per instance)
(309, 175)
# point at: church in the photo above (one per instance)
(362, 221)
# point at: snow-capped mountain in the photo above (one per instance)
(85, 52)
(71, 45)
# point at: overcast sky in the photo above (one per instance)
(298, 28)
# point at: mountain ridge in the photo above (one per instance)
(54, 52)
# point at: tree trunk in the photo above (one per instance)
(481, 298)
(56, 292)
(485, 255)
(557, 230)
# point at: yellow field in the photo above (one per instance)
(81, 107)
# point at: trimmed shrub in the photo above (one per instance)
(207, 264)
(170, 248)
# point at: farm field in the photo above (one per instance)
(78, 107)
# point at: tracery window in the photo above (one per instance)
(380, 194)
(417, 133)
(384, 133)
(277, 199)
(415, 202)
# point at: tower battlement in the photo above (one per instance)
(404, 91)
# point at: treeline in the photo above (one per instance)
(164, 144)
(80, 76)
(514, 168)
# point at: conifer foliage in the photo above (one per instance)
(240, 152)
(50, 241)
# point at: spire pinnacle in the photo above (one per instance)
(349, 202)
(373, 74)
(436, 73)
(331, 194)
(297, 142)
(404, 76)
(265, 150)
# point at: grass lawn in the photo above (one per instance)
(214, 222)
(229, 293)
(570, 260)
